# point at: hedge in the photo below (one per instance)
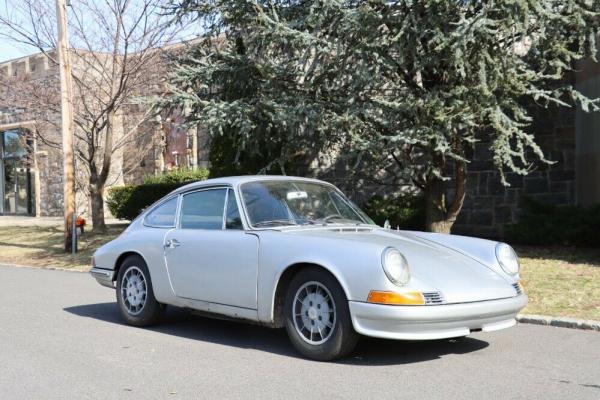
(406, 211)
(127, 202)
(181, 177)
(545, 224)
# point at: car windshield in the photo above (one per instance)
(280, 203)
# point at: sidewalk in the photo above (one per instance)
(18, 220)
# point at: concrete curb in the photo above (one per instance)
(562, 322)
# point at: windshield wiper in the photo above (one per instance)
(275, 222)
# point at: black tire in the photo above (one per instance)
(151, 311)
(342, 338)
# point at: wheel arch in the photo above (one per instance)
(283, 283)
(122, 257)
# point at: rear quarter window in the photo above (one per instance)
(163, 215)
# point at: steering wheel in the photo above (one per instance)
(332, 216)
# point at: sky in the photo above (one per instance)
(8, 50)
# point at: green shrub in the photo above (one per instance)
(406, 211)
(127, 202)
(544, 224)
(181, 176)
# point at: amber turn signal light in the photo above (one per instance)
(393, 298)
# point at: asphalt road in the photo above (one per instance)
(61, 338)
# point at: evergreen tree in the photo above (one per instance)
(409, 86)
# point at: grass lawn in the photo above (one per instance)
(560, 281)
(43, 246)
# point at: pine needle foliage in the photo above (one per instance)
(408, 85)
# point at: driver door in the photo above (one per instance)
(209, 255)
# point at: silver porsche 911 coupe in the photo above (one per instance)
(297, 253)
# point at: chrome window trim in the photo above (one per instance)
(242, 217)
(242, 209)
(146, 213)
(178, 215)
(224, 221)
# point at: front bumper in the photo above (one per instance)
(105, 277)
(434, 321)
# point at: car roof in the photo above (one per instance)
(234, 181)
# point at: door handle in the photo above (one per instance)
(172, 243)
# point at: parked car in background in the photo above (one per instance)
(296, 253)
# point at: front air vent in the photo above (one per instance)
(517, 288)
(433, 298)
(351, 230)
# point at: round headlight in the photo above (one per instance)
(395, 266)
(507, 258)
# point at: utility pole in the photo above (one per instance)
(66, 101)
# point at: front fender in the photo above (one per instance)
(357, 268)
(480, 250)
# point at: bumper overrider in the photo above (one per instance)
(105, 277)
(426, 322)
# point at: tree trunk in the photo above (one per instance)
(438, 216)
(98, 180)
(435, 208)
(97, 199)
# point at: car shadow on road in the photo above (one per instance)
(370, 351)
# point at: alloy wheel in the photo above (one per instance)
(134, 290)
(314, 313)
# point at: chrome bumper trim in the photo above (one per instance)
(105, 277)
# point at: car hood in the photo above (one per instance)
(434, 266)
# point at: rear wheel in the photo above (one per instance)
(135, 298)
(317, 316)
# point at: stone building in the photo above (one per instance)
(31, 164)
(30, 171)
(569, 137)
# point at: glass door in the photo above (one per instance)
(15, 176)
(10, 185)
(22, 191)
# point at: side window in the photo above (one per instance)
(232, 219)
(163, 216)
(203, 210)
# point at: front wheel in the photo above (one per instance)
(318, 317)
(135, 297)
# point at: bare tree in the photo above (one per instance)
(118, 60)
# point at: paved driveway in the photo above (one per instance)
(60, 337)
